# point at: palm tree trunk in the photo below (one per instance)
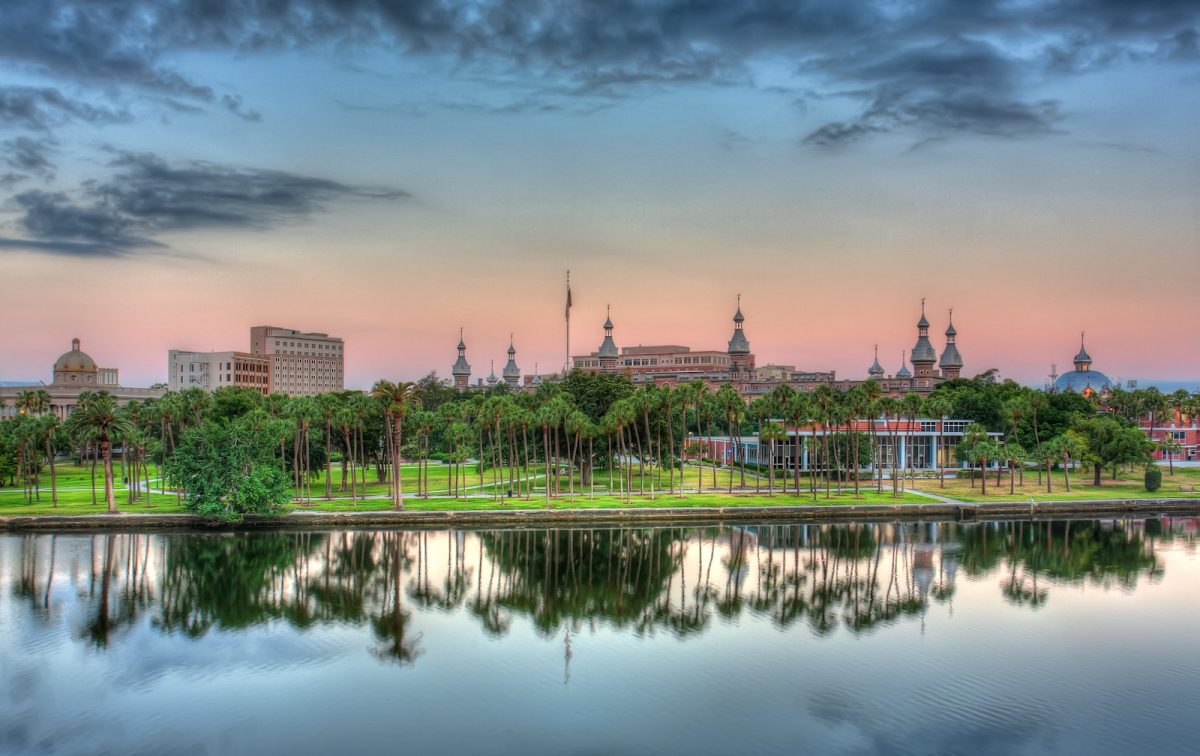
(106, 455)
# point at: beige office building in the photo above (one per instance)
(302, 364)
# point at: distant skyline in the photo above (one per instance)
(172, 174)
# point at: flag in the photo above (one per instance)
(568, 311)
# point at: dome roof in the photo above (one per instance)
(739, 344)
(75, 360)
(876, 369)
(608, 348)
(951, 358)
(1079, 381)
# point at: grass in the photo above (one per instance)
(1127, 486)
(75, 497)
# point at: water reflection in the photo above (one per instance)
(642, 581)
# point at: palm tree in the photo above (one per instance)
(398, 398)
(939, 407)
(772, 433)
(912, 405)
(100, 420)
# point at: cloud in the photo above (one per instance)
(146, 195)
(602, 50)
(31, 156)
(954, 86)
(40, 108)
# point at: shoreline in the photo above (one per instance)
(301, 520)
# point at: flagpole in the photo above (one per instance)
(567, 364)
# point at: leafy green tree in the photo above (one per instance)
(227, 469)
(1111, 444)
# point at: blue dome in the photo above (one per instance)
(1081, 380)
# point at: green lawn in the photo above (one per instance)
(1127, 486)
(75, 493)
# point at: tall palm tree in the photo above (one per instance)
(48, 426)
(398, 399)
(772, 433)
(100, 420)
(939, 407)
(912, 405)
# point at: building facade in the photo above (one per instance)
(301, 364)
(921, 444)
(672, 364)
(74, 373)
(210, 371)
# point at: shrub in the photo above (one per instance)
(1153, 479)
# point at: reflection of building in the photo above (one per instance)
(1083, 380)
(74, 373)
(210, 371)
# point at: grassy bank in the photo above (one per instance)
(75, 493)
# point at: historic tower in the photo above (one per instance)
(923, 355)
(951, 363)
(608, 348)
(460, 369)
(876, 370)
(511, 373)
(739, 348)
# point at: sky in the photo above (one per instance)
(173, 173)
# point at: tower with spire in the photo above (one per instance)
(923, 355)
(492, 380)
(511, 373)
(904, 372)
(742, 362)
(608, 348)
(460, 369)
(951, 363)
(1083, 360)
(876, 370)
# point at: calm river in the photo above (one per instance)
(1024, 637)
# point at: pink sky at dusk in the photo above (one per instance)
(833, 166)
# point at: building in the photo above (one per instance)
(210, 371)
(920, 444)
(301, 364)
(72, 374)
(672, 365)
(1083, 380)
(1182, 429)
(461, 370)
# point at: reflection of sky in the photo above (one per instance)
(1090, 671)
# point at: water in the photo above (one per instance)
(1024, 637)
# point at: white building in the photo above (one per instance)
(210, 371)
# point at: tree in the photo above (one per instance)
(397, 399)
(774, 433)
(227, 468)
(1111, 444)
(98, 419)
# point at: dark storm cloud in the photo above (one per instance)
(41, 108)
(611, 48)
(145, 196)
(31, 156)
(955, 86)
